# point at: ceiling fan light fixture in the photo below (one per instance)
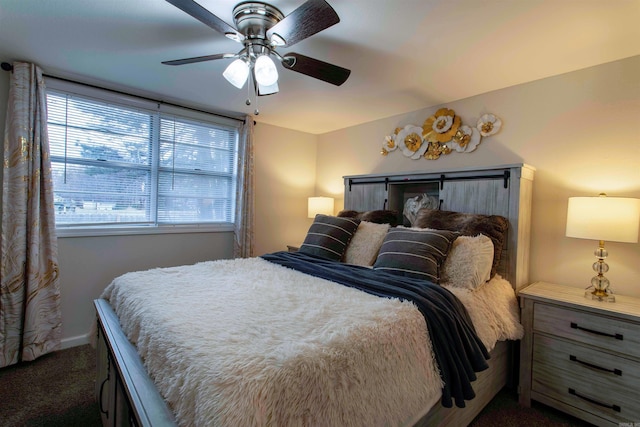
(236, 73)
(265, 71)
(268, 90)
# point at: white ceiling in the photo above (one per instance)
(404, 55)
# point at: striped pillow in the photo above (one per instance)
(415, 253)
(329, 236)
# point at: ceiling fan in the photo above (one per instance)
(262, 28)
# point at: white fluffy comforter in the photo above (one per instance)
(247, 342)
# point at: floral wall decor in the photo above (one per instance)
(441, 133)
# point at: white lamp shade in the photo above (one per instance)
(613, 219)
(236, 73)
(265, 71)
(268, 90)
(320, 205)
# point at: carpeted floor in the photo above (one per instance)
(504, 411)
(57, 390)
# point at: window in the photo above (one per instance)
(125, 163)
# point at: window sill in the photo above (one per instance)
(124, 231)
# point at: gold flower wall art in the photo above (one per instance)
(441, 133)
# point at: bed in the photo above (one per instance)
(304, 339)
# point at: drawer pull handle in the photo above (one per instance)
(595, 402)
(102, 410)
(591, 365)
(616, 336)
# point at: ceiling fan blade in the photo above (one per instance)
(206, 17)
(315, 68)
(307, 20)
(199, 59)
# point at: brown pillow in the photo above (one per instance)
(377, 217)
(346, 213)
(493, 226)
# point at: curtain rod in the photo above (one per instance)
(8, 67)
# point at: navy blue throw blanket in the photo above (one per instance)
(458, 350)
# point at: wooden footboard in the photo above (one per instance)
(125, 393)
(128, 397)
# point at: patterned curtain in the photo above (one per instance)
(243, 231)
(30, 318)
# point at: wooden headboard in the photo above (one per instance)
(497, 190)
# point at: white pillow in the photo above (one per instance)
(365, 244)
(469, 262)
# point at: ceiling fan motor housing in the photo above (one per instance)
(254, 19)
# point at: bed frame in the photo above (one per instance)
(127, 395)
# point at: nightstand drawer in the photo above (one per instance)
(606, 332)
(580, 356)
(560, 366)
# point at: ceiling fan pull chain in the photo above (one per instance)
(255, 94)
(256, 111)
(248, 101)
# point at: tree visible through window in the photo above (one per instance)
(120, 165)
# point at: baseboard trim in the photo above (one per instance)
(74, 341)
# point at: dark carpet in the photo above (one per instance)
(58, 390)
(504, 411)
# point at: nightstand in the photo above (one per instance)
(580, 356)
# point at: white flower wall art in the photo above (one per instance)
(441, 133)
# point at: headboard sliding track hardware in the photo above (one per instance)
(504, 176)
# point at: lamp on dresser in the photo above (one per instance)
(320, 205)
(601, 218)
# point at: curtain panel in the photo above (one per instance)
(243, 241)
(30, 317)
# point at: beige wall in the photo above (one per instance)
(581, 131)
(285, 170)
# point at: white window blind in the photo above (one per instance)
(120, 161)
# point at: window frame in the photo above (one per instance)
(159, 109)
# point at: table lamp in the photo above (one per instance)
(319, 205)
(601, 218)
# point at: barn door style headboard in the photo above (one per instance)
(497, 190)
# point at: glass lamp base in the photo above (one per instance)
(599, 296)
(599, 289)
